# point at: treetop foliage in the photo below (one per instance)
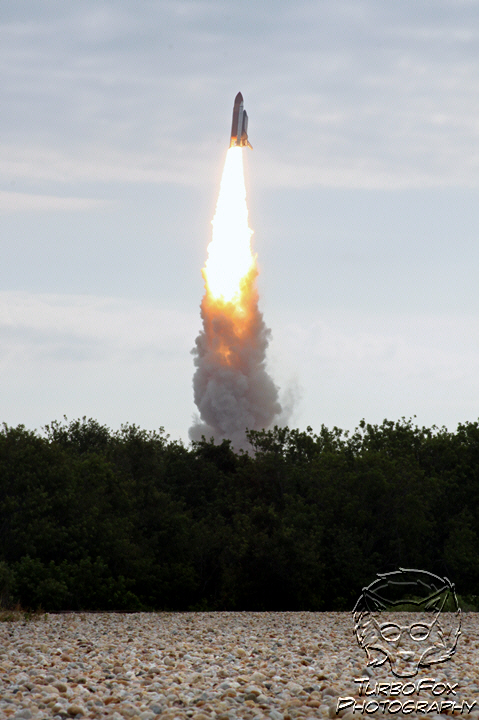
(124, 520)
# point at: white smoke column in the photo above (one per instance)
(232, 388)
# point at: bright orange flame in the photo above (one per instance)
(230, 257)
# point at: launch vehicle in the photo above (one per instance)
(239, 135)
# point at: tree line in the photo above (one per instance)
(94, 519)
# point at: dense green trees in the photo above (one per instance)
(126, 520)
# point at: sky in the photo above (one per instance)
(362, 190)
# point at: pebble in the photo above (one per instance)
(199, 666)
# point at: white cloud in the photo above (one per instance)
(376, 366)
(118, 361)
(23, 202)
(110, 326)
(403, 348)
(107, 358)
(97, 164)
(363, 95)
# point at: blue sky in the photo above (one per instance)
(362, 190)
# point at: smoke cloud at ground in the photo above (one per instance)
(232, 388)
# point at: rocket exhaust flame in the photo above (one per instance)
(232, 388)
(229, 254)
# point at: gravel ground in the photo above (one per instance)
(147, 666)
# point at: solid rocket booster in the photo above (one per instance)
(239, 135)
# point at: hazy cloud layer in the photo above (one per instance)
(381, 365)
(120, 361)
(347, 94)
(23, 202)
(107, 358)
(113, 325)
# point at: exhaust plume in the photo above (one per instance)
(232, 388)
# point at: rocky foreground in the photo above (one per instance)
(215, 665)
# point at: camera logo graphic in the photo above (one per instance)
(409, 619)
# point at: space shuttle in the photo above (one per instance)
(239, 135)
